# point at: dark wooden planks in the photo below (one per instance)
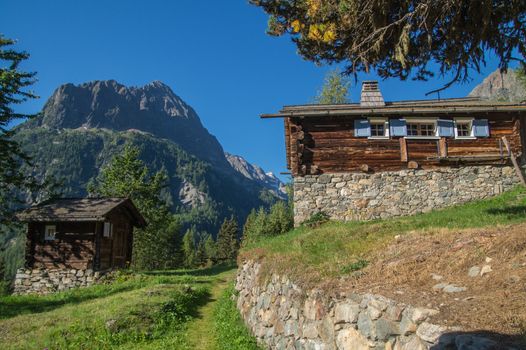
(328, 144)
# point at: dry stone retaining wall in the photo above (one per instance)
(283, 316)
(44, 281)
(358, 196)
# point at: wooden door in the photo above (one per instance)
(119, 245)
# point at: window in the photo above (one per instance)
(379, 127)
(421, 129)
(464, 128)
(49, 232)
(108, 229)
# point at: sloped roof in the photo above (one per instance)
(80, 209)
(450, 105)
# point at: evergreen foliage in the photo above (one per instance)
(398, 38)
(127, 176)
(13, 82)
(259, 224)
(189, 248)
(210, 250)
(227, 242)
(335, 89)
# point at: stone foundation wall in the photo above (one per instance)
(43, 281)
(283, 316)
(358, 196)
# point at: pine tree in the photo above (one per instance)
(335, 89)
(200, 254)
(249, 230)
(210, 250)
(227, 243)
(13, 81)
(127, 176)
(279, 219)
(189, 249)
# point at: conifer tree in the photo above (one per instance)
(13, 82)
(210, 250)
(189, 249)
(200, 251)
(127, 176)
(227, 243)
(335, 89)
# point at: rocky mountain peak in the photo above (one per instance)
(501, 86)
(152, 108)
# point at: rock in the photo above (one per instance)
(419, 314)
(440, 286)
(485, 270)
(365, 325)
(454, 289)
(474, 271)
(436, 277)
(488, 260)
(414, 344)
(111, 325)
(430, 332)
(310, 330)
(386, 329)
(350, 339)
(346, 313)
(407, 326)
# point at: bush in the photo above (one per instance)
(317, 219)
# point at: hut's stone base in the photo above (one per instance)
(358, 196)
(44, 281)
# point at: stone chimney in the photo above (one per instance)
(371, 95)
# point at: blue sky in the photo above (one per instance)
(214, 54)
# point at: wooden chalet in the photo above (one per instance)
(375, 135)
(87, 233)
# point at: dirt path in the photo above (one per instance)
(200, 335)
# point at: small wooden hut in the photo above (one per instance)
(86, 233)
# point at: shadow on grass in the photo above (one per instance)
(12, 306)
(510, 211)
(480, 340)
(209, 271)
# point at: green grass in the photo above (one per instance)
(152, 310)
(229, 330)
(337, 248)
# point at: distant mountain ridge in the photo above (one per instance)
(82, 127)
(254, 172)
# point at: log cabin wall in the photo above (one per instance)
(317, 145)
(72, 248)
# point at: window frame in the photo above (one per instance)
(109, 233)
(378, 121)
(433, 121)
(471, 132)
(50, 236)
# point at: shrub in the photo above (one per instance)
(316, 219)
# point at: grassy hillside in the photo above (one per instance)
(405, 258)
(156, 310)
(337, 248)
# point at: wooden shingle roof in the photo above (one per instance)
(80, 209)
